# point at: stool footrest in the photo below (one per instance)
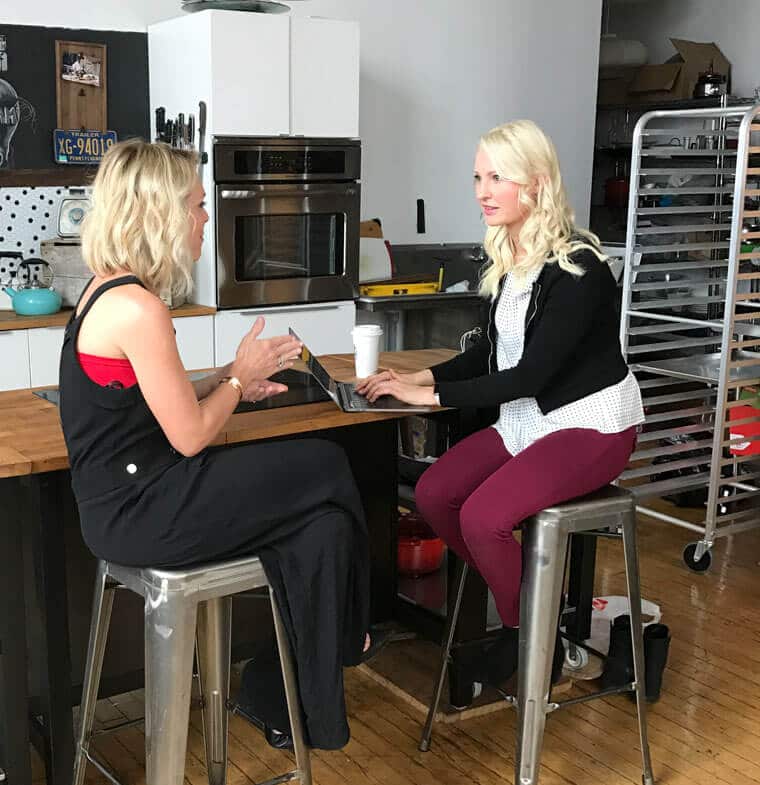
(118, 726)
(102, 768)
(593, 696)
(289, 777)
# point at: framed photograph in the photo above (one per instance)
(81, 67)
(81, 86)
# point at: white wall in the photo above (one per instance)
(435, 74)
(438, 73)
(96, 15)
(733, 25)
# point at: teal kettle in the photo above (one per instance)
(34, 297)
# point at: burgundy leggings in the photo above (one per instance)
(476, 494)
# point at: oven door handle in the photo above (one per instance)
(343, 190)
(309, 308)
(239, 194)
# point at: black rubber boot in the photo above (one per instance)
(656, 646)
(618, 667)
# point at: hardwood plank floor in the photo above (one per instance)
(704, 730)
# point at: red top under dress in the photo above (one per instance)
(108, 371)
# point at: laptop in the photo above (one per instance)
(344, 393)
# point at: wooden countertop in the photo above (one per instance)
(10, 320)
(31, 440)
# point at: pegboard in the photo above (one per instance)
(28, 216)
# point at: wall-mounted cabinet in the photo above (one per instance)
(259, 74)
(324, 78)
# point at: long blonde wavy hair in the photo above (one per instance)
(521, 152)
(138, 222)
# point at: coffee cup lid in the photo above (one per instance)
(367, 329)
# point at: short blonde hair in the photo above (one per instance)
(138, 222)
(521, 152)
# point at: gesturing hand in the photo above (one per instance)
(259, 358)
(258, 390)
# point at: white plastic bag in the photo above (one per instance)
(604, 610)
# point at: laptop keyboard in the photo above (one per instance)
(356, 401)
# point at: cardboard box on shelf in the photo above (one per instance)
(669, 81)
(614, 82)
(372, 228)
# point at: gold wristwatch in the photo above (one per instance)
(233, 381)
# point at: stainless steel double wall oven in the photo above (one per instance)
(287, 220)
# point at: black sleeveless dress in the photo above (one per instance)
(292, 503)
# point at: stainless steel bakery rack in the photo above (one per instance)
(690, 325)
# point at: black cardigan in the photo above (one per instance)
(571, 347)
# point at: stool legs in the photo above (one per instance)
(303, 761)
(544, 544)
(169, 637)
(102, 603)
(637, 638)
(448, 639)
(214, 647)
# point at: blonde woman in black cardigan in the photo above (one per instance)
(549, 358)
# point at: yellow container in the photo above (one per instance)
(390, 289)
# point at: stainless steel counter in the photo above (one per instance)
(402, 311)
(406, 302)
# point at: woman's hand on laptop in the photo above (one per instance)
(421, 379)
(414, 394)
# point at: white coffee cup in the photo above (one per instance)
(366, 348)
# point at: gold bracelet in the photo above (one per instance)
(233, 381)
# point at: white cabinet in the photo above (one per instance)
(324, 77)
(45, 355)
(326, 328)
(237, 62)
(195, 341)
(14, 369)
(259, 74)
(249, 74)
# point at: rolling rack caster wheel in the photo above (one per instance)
(702, 563)
(576, 657)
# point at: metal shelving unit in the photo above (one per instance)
(690, 324)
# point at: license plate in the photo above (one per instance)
(81, 147)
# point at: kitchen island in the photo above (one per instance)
(35, 482)
(45, 607)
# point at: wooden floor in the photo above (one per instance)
(704, 730)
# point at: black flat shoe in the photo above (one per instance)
(278, 739)
(378, 640)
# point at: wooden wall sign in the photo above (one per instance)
(80, 86)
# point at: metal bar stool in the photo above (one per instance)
(182, 606)
(545, 539)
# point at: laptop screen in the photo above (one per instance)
(313, 364)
